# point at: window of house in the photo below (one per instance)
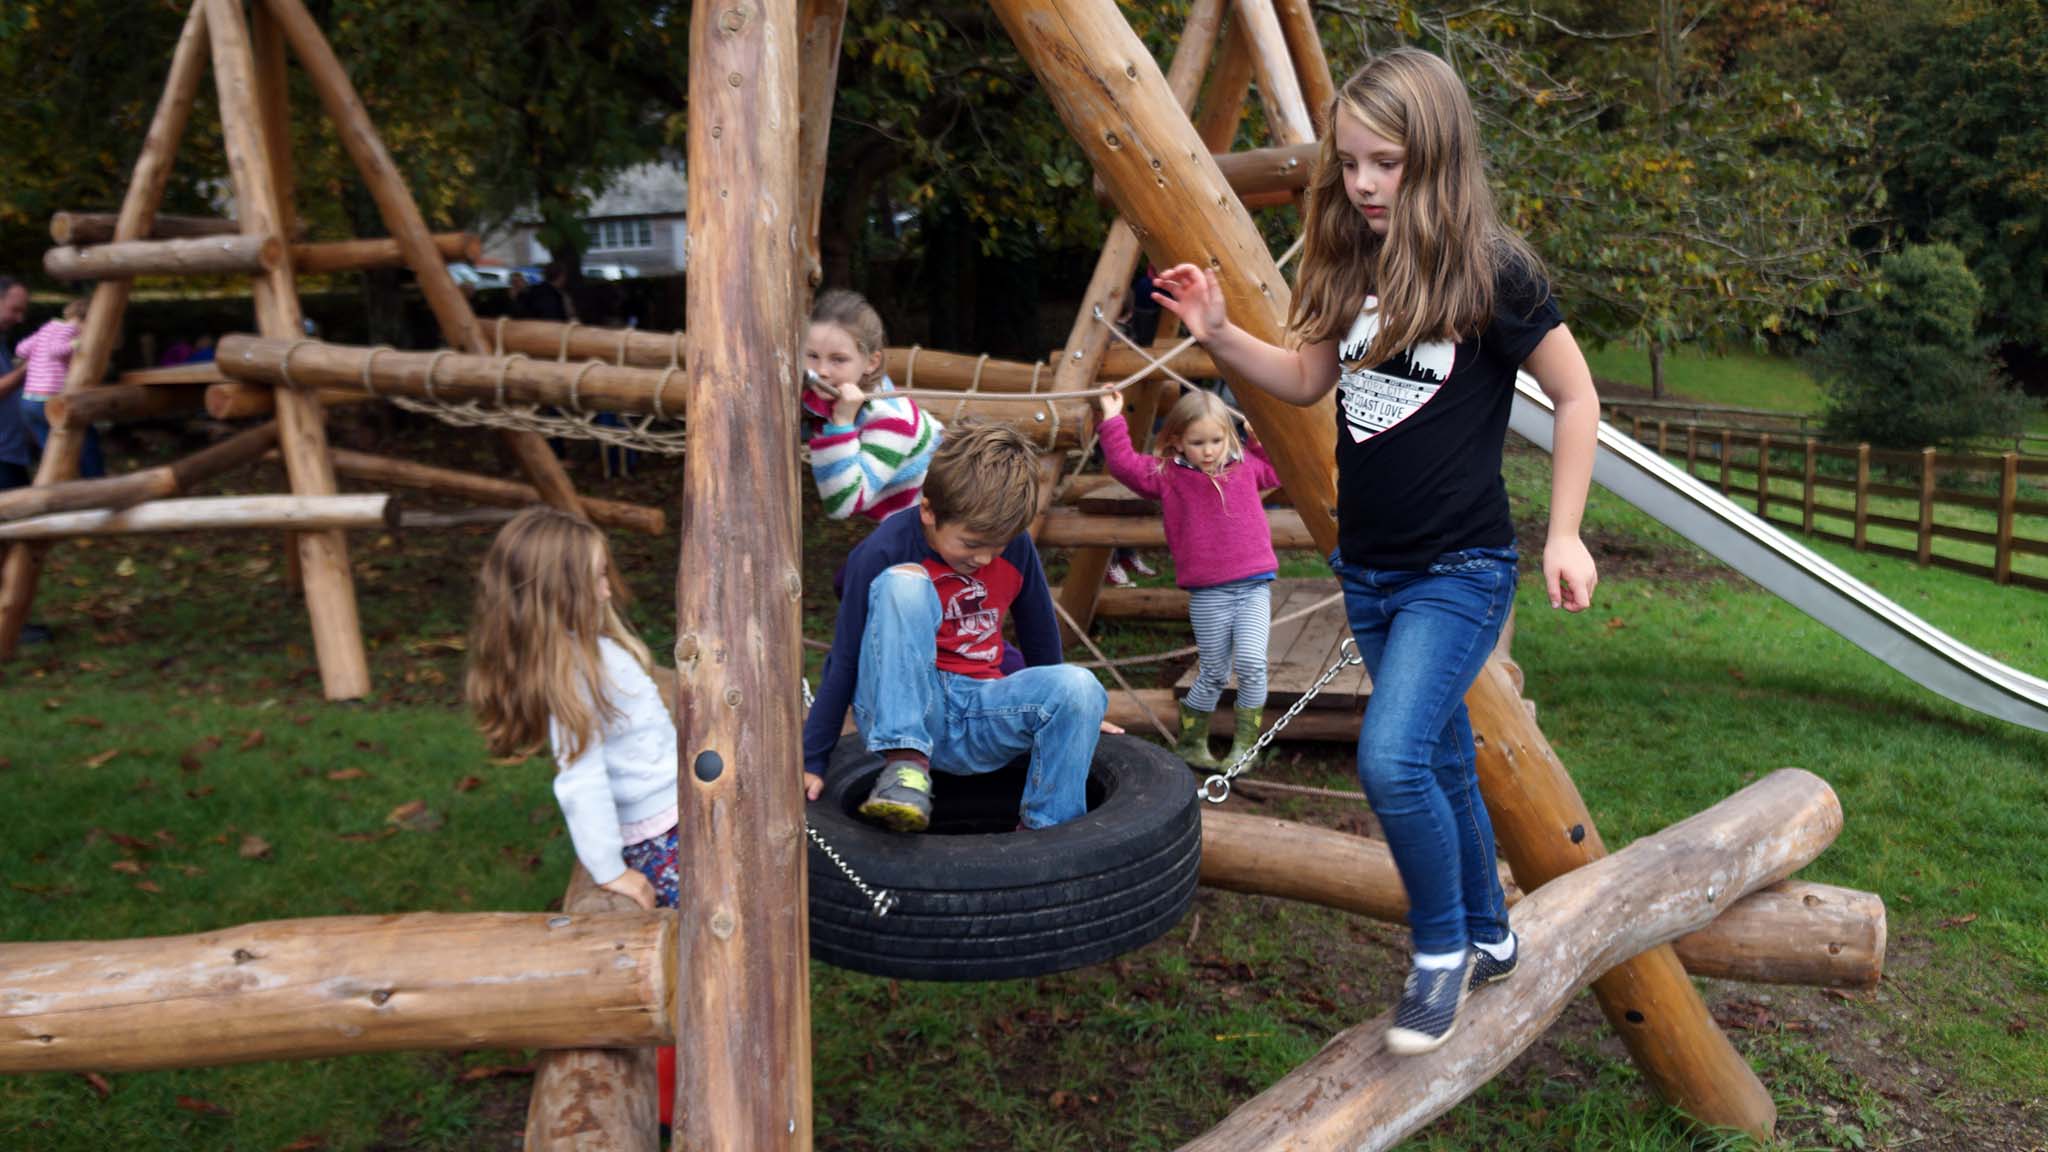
(612, 235)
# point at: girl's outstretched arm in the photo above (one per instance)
(1298, 377)
(1559, 366)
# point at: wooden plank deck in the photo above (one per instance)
(1300, 651)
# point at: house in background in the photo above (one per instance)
(635, 227)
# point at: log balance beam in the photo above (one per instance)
(331, 986)
(212, 514)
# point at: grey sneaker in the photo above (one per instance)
(1486, 970)
(901, 800)
(1428, 1013)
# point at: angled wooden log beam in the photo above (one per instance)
(821, 27)
(23, 564)
(1141, 604)
(121, 402)
(213, 513)
(1116, 103)
(156, 483)
(386, 472)
(329, 256)
(1793, 932)
(198, 256)
(594, 1099)
(1311, 66)
(1356, 1095)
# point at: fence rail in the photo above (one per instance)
(1781, 476)
(1802, 424)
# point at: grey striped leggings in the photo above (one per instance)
(1231, 626)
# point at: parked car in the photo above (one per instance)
(610, 272)
(490, 277)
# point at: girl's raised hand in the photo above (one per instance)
(633, 886)
(847, 407)
(1192, 294)
(1112, 405)
(1569, 574)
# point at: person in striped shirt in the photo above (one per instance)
(47, 355)
(870, 451)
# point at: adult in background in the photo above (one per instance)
(17, 457)
(549, 299)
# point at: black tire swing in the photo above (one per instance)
(977, 900)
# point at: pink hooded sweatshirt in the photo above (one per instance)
(1215, 525)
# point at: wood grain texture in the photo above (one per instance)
(389, 472)
(198, 256)
(211, 514)
(136, 487)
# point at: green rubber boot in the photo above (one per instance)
(1194, 738)
(1246, 735)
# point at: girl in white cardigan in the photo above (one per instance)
(549, 657)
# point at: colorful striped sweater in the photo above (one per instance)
(875, 466)
(48, 355)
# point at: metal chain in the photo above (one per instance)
(883, 901)
(1216, 789)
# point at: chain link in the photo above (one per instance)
(882, 902)
(1216, 789)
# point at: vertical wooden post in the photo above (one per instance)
(1311, 66)
(1663, 438)
(1726, 438)
(2008, 494)
(274, 110)
(1635, 428)
(1692, 450)
(1806, 499)
(1287, 116)
(302, 434)
(1926, 544)
(1862, 532)
(743, 1064)
(1545, 831)
(23, 565)
(1116, 104)
(822, 25)
(1763, 475)
(1088, 339)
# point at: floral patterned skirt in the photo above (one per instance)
(655, 859)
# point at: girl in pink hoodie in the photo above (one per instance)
(1208, 488)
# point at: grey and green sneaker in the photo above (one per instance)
(902, 798)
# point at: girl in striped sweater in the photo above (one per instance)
(870, 452)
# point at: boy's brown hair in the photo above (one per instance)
(984, 477)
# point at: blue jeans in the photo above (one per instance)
(1425, 636)
(89, 462)
(969, 726)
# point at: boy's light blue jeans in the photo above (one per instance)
(1424, 637)
(969, 726)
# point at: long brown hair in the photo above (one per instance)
(533, 646)
(1434, 270)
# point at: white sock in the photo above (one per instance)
(1439, 960)
(1503, 951)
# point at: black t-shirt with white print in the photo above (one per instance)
(1419, 437)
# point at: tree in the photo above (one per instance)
(1907, 368)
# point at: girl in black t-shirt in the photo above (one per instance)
(1418, 306)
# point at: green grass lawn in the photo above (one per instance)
(177, 717)
(1742, 379)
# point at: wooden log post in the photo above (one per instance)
(305, 989)
(1924, 552)
(594, 1099)
(79, 229)
(212, 514)
(743, 1069)
(1726, 440)
(1806, 493)
(1311, 66)
(403, 221)
(2008, 495)
(1692, 450)
(1354, 1094)
(1763, 475)
(23, 564)
(821, 25)
(357, 255)
(156, 483)
(1793, 932)
(1287, 116)
(1862, 522)
(386, 472)
(199, 256)
(1114, 100)
(1545, 832)
(302, 434)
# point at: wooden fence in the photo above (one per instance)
(1623, 410)
(1725, 456)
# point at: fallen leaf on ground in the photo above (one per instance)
(100, 760)
(254, 847)
(131, 867)
(1957, 921)
(132, 843)
(305, 1144)
(469, 783)
(86, 721)
(414, 816)
(203, 1107)
(149, 886)
(99, 1084)
(253, 740)
(366, 837)
(347, 774)
(2017, 1026)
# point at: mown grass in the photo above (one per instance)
(1743, 379)
(1681, 685)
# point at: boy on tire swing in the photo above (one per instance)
(918, 647)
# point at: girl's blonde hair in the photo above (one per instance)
(851, 311)
(1434, 270)
(533, 647)
(1195, 406)
(75, 310)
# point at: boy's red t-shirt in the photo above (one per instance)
(971, 610)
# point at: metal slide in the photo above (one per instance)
(1925, 654)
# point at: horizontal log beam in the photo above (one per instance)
(1794, 932)
(302, 989)
(212, 514)
(1067, 528)
(124, 402)
(1354, 1094)
(357, 255)
(156, 483)
(203, 372)
(235, 400)
(198, 256)
(98, 227)
(386, 472)
(1139, 603)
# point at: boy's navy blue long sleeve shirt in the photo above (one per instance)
(971, 610)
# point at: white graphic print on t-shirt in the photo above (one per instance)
(1375, 401)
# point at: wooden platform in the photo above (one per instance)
(1301, 650)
